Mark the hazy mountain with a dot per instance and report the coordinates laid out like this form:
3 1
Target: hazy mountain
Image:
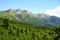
40 19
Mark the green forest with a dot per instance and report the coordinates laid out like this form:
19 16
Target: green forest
15 30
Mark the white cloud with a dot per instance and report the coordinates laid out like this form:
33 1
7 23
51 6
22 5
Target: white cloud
53 12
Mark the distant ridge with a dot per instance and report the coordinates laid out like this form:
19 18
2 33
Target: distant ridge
40 19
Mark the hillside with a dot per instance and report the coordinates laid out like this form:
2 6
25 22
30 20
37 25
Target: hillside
14 30
36 19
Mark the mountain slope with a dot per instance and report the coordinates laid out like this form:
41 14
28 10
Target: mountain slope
15 30
36 19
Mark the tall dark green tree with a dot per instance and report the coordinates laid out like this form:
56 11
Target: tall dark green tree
6 22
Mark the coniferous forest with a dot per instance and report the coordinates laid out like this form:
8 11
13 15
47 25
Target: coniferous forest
14 30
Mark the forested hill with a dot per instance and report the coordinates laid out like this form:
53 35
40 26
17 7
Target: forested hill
13 30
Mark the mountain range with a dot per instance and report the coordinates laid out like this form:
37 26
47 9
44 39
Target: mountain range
39 19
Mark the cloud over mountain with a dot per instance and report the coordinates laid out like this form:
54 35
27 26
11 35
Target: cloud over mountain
54 12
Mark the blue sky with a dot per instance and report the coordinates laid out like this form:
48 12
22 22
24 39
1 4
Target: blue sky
35 6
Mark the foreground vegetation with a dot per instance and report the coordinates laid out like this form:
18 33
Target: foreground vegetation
13 30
